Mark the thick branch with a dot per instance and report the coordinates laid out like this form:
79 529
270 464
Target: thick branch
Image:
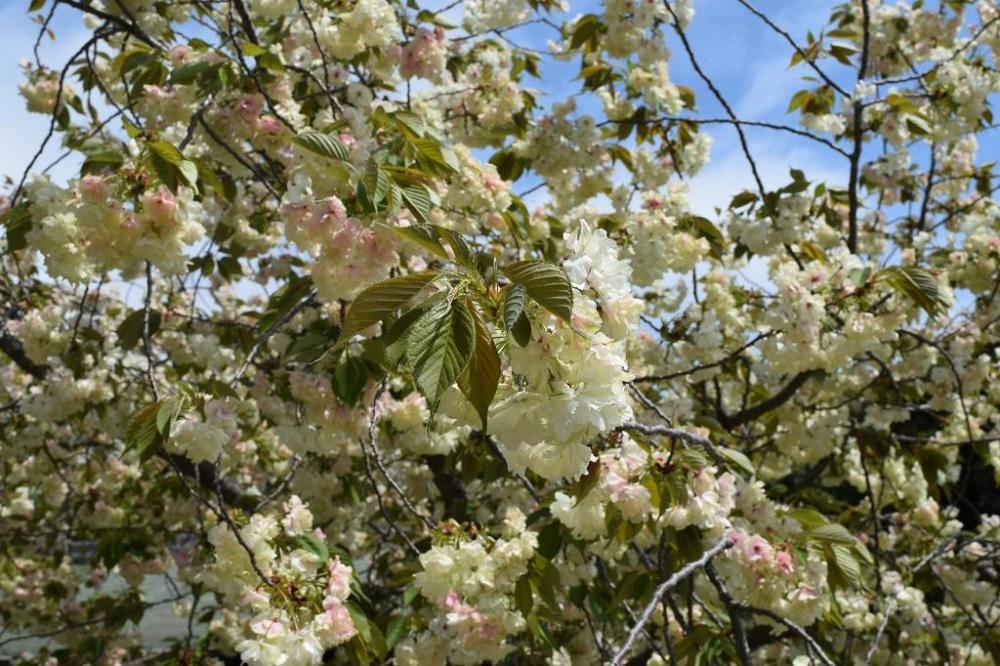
245 21
450 486
206 474
765 406
13 348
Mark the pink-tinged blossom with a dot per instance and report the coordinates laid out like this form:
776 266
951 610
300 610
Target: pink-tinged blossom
160 206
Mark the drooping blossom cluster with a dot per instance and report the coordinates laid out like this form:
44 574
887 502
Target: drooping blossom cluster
286 601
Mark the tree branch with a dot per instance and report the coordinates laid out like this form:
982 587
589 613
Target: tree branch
664 587
803 634
859 133
739 633
13 348
765 406
678 433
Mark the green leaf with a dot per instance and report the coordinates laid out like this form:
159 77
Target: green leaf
809 518
393 198
844 567
480 380
917 125
312 543
859 277
440 346
692 458
376 183
832 533
170 409
918 285
410 122
546 284
509 166
209 178
738 460
323 144
189 73
251 50
361 622
18 223
458 245
142 434
621 154
521 330
513 305
167 152
283 300
395 340
813 251
424 235
588 482
487 266
587 31
742 199
418 199
523 597
438 155
427 16
130 331
430 237
189 172
307 347
900 103
380 300
349 379
270 61
399 627
550 540
101 161
703 228
171 165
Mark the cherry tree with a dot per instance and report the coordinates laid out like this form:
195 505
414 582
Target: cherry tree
375 343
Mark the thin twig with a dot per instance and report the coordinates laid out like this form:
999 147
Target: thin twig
889 610
678 433
271 330
803 634
147 347
369 474
705 366
664 587
798 49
